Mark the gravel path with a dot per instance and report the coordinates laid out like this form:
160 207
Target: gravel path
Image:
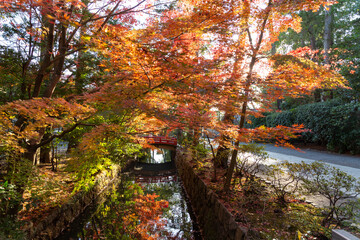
347 163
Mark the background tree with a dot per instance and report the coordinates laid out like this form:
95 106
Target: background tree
334 29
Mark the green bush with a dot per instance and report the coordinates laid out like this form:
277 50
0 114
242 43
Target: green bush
9 197
201 151
332 123
290 103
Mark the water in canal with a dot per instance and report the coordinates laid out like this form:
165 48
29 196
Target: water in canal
118 217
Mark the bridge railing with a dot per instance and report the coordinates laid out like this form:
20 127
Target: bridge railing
161 140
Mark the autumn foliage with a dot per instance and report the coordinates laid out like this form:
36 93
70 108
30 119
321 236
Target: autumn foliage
174 72
128 69
148 211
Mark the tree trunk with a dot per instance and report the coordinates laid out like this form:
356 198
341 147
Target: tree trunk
25 67
312 38
195 136
247 86
327 33
45 60
278 103
317 95
45 154
222 154
273 49
302 40
222 157
80 66
33 154
58 65
234 154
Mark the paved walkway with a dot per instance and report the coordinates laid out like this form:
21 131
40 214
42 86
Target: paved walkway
347 163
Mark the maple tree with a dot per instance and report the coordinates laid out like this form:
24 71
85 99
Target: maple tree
49 36
257 24
127 213
54 33
188 65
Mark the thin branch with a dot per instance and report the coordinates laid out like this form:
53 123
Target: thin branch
146 74
212 149
162 84
63 133
250 39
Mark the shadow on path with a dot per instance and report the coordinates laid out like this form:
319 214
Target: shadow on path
310 154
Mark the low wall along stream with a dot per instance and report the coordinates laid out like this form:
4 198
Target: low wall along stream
213 218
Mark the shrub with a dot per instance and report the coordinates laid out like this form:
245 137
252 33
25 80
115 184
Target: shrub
9 197
338 187
332 123
250 161
285 179
200 151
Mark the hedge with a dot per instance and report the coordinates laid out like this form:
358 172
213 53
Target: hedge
332 123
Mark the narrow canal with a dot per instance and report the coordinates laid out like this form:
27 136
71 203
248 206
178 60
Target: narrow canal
153 173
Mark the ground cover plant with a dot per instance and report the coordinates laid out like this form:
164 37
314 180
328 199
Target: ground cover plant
46 190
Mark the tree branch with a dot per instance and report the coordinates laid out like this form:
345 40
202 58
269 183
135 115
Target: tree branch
63 133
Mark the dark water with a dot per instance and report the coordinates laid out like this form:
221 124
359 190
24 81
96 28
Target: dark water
105 220
179 224
153 173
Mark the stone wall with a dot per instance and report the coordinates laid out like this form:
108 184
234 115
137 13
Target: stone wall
215 221
53 224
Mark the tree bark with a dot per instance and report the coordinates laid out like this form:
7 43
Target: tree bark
222 154
302 40
312 38
222 157
234 154
327 33
46 59
45 154
25 67
58 65
80 66
273 49
33 154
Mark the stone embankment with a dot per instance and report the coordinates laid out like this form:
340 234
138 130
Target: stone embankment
214 219
58 220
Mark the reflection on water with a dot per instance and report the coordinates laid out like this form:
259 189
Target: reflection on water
123 216
160 154
178 221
